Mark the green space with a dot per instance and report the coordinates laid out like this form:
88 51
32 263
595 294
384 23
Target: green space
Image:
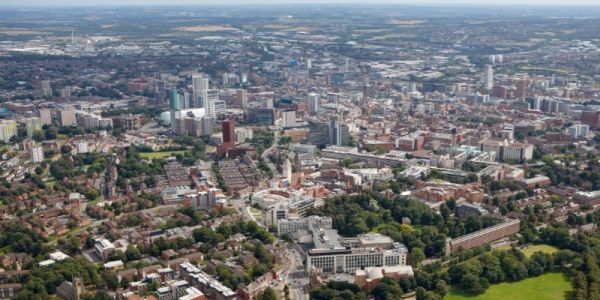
549 286
162 154
530 250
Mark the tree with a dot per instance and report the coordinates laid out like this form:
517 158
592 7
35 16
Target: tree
267 294
416 256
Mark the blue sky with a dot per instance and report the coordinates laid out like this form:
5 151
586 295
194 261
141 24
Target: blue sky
18 3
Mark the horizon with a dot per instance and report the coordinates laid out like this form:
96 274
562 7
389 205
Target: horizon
192 3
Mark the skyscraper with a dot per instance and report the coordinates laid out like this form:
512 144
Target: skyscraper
200 87
175 100
313 103
488 78
228 132
8 129
242 98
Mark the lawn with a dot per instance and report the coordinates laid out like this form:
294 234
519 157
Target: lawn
549 286
529 250
163 154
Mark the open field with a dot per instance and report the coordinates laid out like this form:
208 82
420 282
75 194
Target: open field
529 250
549 286
162 154
21 31
206 28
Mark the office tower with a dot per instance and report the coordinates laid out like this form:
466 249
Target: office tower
8 129
228 132
215 108
199 87
32 125
206 96
46 116
242 98
309 64
488 78
67 116
46 88
521 88
339 133
288 118
175 100
37 154
313 103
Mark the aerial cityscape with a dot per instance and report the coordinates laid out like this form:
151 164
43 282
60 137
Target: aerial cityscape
299 151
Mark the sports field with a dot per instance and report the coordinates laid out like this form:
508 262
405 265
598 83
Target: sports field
163 154
549 286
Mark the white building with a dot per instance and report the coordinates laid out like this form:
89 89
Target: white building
488 77
8 129
288 118
37 154
313 103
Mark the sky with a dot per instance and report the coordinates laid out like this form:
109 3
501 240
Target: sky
21 3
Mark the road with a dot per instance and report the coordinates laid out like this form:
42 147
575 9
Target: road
296 278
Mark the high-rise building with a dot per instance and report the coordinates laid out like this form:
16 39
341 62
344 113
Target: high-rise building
200 85
338 132
313 103
242 98
65 93
215 108
175 103
288 118
37 154
228 132
8 129
591 118
67 116
32 125
488 78
46 116
46 88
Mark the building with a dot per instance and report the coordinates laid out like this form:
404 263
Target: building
71 290
313 103
46 116
46 88
200 85
370 277
294 225
288 118
8 129
242 98
32 125
506 150
482 237
335 254
587 198
467 210
488 78
37 154
67 116
339 133
216 108
579 131
103 248
591 118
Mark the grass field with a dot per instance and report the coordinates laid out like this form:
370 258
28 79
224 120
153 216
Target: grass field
549 286
163 154
528 251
